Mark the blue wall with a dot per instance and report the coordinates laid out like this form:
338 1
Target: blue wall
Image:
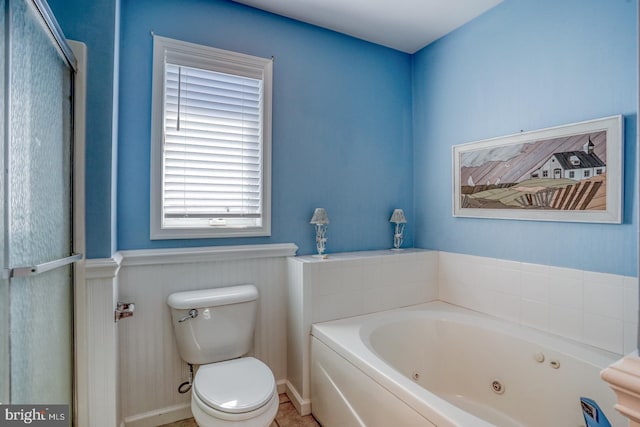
341 123
95 23
361 129
526 65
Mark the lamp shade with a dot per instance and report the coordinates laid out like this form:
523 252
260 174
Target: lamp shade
319 217
398 217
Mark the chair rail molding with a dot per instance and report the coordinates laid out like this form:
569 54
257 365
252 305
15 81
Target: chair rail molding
206 254
103 268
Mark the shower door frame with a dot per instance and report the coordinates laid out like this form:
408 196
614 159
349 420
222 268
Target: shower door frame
80 332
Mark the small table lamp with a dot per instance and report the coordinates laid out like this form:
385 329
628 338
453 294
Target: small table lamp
320 219
399 220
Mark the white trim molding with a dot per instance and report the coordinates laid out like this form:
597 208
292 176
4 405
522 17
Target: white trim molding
103 268
101 341
206 254
302 405
171 413
160 416
624 379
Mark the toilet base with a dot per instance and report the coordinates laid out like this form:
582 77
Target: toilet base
209 417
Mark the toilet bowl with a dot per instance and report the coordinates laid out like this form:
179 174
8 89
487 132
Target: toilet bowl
235 393
214 331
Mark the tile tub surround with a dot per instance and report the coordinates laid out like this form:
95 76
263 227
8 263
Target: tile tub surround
593 308
345 285
597 309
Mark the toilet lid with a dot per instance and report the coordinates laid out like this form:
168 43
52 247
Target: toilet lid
235 386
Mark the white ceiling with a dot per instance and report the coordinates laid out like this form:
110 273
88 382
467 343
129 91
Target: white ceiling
405 25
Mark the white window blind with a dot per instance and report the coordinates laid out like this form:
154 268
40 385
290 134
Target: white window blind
210 142
212 146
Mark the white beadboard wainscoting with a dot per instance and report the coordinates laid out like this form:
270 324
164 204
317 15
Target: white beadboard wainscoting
150 367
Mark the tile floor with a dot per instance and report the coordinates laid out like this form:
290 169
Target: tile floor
287 417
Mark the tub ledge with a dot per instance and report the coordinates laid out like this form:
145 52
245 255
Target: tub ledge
624 379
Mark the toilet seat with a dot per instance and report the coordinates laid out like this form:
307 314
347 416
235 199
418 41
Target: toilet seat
206 416
235 389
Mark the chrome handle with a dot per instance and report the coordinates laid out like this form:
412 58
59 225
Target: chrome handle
193 313
41 268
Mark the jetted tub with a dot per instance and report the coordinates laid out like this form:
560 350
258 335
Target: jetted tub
436 364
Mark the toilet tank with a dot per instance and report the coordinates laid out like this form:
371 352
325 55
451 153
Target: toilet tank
222 326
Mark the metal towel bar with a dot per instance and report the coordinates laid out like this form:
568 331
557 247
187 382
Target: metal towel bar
41 268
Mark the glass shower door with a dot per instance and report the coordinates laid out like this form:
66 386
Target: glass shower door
37 286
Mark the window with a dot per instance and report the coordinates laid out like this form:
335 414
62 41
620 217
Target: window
211 142
572 174
587 173
598 171
545 174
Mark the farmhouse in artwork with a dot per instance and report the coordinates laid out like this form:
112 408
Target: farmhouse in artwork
566 173
575 165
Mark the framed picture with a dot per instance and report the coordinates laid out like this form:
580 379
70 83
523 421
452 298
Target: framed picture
565 173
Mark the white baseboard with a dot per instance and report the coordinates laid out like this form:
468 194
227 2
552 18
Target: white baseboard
303 406
161 416
173 413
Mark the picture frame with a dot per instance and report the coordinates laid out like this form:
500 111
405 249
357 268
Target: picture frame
571 173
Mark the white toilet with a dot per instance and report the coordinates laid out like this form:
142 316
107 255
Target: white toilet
214 329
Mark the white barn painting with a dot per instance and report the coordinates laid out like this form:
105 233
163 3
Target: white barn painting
575 165
567 173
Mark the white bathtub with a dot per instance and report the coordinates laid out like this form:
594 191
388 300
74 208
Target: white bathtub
435 364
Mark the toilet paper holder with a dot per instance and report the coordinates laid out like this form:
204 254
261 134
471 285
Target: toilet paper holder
124 310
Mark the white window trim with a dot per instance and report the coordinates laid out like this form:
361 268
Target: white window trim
222 60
